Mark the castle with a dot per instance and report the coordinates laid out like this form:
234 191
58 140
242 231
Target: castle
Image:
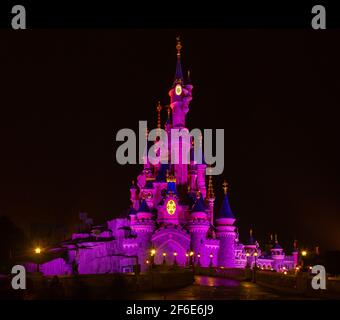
174 219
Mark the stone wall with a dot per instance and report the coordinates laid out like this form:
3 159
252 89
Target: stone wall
299 284
105 286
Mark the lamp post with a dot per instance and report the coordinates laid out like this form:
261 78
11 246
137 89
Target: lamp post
198 259
187 259
255 265
191 254
175 258
37 251
164 255
152 253
247 258
211 256
304 254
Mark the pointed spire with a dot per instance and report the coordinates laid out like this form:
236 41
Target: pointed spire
225 187
188 78
251 238
225 211
143 206
159 108
276 245
295 248
199 205
179 73
210 193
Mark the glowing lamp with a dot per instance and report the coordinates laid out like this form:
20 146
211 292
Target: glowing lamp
198 255
211 255
187 255
175 254
147 261
247 254
37 250
164 254
304 253
255 254
191 253
285 272
153 252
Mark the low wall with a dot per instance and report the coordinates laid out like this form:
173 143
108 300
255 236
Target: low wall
299 284
105 286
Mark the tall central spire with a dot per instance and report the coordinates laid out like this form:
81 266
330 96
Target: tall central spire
179 73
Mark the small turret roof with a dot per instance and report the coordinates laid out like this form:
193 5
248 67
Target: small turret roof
199 205
225 211
143 207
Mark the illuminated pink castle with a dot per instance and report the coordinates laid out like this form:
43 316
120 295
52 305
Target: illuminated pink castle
173 219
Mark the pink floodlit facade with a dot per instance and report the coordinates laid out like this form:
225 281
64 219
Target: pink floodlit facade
174 219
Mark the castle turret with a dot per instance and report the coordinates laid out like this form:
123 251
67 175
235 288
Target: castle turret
226 232
180 97
278 255
143 225
198 228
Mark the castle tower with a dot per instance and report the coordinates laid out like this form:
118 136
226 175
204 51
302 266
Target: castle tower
143 225
180 97
198 228
277 255
226 233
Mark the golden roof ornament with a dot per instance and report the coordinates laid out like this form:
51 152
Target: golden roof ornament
178 46
225 186
159 109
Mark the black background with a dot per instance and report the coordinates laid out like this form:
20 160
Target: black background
65 93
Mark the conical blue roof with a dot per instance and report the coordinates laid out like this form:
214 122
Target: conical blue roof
225 211
277 246
199 205
251 240
132 211
143 207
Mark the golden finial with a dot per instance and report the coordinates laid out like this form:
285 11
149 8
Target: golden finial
189 189
225 186
210 193
159 108
178 46
251 232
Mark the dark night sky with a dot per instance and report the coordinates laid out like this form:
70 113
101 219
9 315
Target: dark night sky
64 95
